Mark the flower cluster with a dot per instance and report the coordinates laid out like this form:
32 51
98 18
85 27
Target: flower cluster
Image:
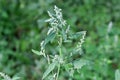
6 77
56 20
81 40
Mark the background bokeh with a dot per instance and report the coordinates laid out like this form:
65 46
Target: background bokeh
22 28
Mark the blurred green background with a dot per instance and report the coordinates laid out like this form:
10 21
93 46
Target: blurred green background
22 28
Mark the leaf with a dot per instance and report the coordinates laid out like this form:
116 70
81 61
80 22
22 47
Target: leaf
64 35
50 37
76 35
36 52
67 41
117 74
49 69
77 50
78 64
16 78
68 66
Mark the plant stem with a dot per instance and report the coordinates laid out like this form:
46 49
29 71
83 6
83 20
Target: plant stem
58 71
60 53
60 45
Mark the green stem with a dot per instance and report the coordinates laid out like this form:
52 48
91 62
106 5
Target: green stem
60 53
60 50
58 71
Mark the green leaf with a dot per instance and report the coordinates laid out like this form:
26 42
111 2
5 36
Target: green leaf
76 35
68 66
117 74
67 41
50 37
78 64
16 78
64 35
77 50
49 69
36 52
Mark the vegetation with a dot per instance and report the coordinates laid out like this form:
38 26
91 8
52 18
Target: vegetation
22 28
117 74
60 33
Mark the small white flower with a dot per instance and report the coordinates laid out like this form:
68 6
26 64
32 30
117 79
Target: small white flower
51 29
50 14
82 39
6 77
49 20
68 29
41 44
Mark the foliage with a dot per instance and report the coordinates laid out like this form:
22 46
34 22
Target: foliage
60 32
117 74
22 27
6 77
